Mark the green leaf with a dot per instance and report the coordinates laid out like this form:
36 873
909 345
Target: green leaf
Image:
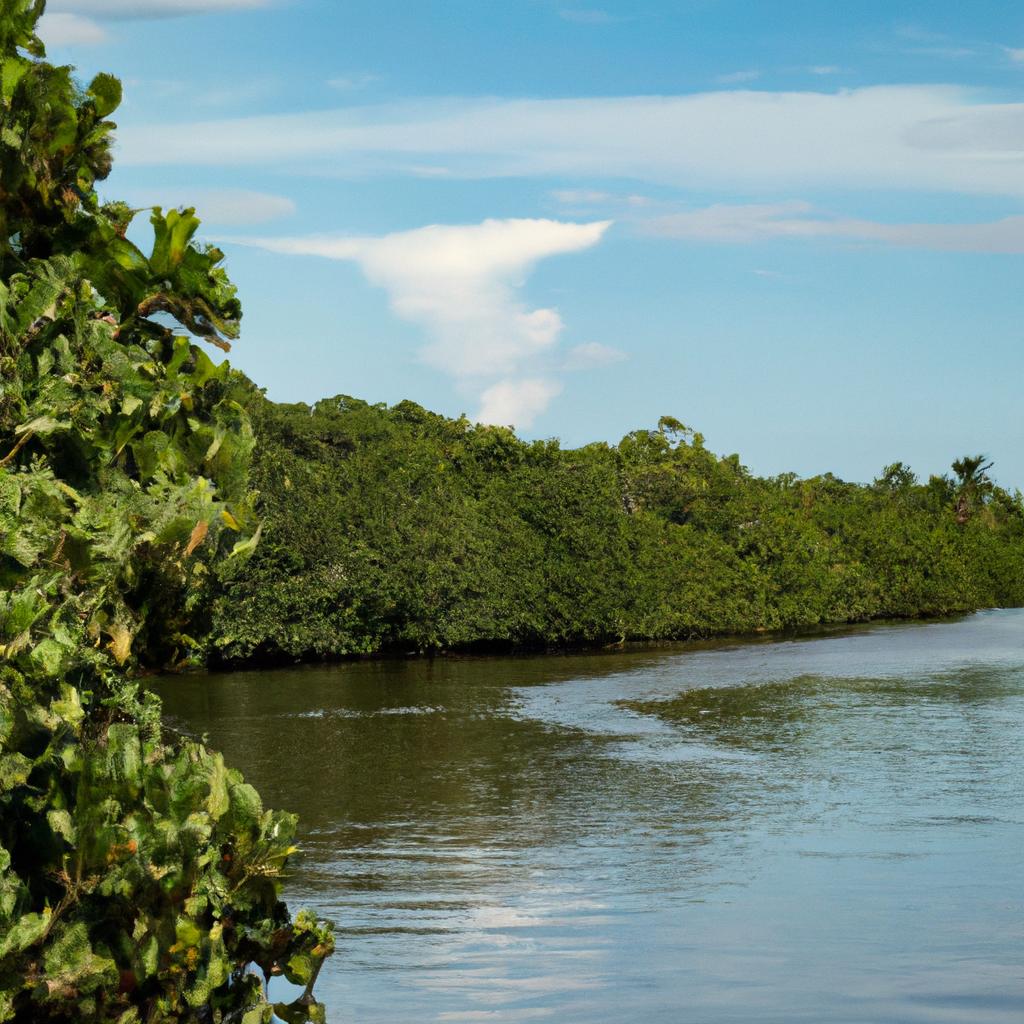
149 955
49 655
299 969
12 70
73 965
218 802
182 350
42 425
172 234
125 830
105 91
248 546
61 822
129 404
246 806
28 930
124 752
187 932
14 771
10 494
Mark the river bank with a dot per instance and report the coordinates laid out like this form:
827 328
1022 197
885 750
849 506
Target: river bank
484 649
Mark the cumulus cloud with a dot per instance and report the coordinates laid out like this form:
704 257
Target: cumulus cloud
460 284
517 403
886 137
65 29
764 221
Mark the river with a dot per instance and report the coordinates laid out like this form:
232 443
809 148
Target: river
827 829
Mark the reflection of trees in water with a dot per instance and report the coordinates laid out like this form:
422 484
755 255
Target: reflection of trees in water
427 779
454 828
416 761
896 749
481 854
781 713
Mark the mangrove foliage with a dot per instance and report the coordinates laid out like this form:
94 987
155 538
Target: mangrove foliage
398 529
139 874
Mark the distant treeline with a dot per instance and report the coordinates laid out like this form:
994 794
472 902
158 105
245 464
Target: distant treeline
399 529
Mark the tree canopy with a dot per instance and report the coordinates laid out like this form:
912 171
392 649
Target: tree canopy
398 529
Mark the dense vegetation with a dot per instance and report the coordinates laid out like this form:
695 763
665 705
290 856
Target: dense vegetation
397 529
138 874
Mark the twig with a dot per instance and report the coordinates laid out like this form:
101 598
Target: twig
25 438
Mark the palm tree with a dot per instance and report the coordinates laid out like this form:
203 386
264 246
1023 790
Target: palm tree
973 484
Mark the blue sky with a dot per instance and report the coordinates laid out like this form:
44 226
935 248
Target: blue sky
797 227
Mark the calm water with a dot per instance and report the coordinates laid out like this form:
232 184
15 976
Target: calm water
820 830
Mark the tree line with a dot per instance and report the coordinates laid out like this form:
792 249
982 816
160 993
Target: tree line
396 529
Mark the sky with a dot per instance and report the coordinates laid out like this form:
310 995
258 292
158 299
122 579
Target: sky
797 227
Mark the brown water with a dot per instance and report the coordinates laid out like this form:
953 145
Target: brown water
818 830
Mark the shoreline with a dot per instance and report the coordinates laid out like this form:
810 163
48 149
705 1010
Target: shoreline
487 649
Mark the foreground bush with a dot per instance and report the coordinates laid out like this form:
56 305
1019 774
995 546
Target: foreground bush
138 874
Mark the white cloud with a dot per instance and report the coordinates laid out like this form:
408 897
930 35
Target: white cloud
1015 54
886 137
224 207
587 16
353 81
825 69
943 52
59 29
592 355
750 222
459 283
240 92
517 403
128 9
737 77
918 33
596 197
75 22
190 93
762 222
581 196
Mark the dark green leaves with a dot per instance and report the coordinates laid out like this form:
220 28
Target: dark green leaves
397 528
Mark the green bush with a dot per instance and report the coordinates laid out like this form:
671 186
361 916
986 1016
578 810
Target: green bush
138 874
397 529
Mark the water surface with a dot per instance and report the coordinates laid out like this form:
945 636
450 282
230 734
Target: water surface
820 830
